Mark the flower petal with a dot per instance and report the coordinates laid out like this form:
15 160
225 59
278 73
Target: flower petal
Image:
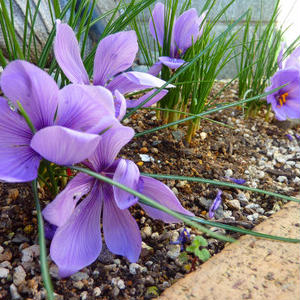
108 148
161 193
115 53
155 69
78 242
126 173
33 88
64 146
120 105
121 233
19 163
156 23
85 108
156 98
172 63
135 81
58 211
293 61
67 54
186 30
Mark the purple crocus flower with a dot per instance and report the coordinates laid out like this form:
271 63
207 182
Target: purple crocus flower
77 241
286 101
216 203
185 32
67 121
292 61
115 54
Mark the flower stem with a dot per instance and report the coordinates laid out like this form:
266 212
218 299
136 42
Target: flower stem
42 243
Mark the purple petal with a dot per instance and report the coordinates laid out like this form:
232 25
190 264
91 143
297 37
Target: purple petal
289 137
85 108
120 105
108 148
135 81
19 163
156 23
78 243
64 146
33 88
115 53
121 233
162 194
293 61
49 230
126 173
172 63
156 98
186 30
237 180
67 54
59 210
155 69
216 203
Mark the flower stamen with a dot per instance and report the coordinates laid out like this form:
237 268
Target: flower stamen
282 99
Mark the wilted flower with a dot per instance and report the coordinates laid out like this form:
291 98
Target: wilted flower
237 180
183 238
216 203
187 29
297 136
77 241
289 137
115 54
67 121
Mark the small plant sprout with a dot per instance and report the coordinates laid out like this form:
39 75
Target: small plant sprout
197 248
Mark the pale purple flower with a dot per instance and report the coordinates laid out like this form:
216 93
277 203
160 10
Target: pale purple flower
286 101
186 30
215 205
77 241
114 55
67 121
292 61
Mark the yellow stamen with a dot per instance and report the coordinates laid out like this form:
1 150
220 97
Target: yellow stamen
282 99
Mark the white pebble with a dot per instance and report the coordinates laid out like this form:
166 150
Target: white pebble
282 179
19 275
3 272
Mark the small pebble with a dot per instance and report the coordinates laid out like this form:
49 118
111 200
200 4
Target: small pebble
174 251
14 292
203 136
97 291
30 252
3 272
78 285
79 276
19 275
84 295
228 173
282 179
235 204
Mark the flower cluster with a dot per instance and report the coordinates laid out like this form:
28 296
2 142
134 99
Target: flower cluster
186 30
286 101
80 123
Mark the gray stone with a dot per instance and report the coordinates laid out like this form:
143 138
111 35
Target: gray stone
174 251
97 291
178 134
235 204
84 295
79 276
14 292
134 268
29 253
19 275
3 272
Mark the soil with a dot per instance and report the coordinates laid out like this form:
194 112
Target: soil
263 154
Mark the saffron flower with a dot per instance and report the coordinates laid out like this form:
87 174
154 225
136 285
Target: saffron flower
286 101
115 54
216 203
187 29
67 121
77 241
